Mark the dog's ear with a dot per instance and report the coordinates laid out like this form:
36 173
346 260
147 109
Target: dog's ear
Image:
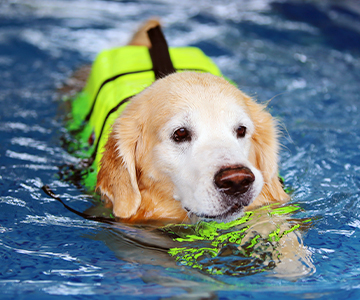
117 177
264 152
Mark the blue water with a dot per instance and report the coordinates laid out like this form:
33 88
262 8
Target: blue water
305 56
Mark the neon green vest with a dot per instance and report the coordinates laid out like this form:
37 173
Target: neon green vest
117 75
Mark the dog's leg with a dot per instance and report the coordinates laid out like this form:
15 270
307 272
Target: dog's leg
295 258
292 257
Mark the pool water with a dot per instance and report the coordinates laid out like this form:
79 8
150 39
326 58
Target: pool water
304 55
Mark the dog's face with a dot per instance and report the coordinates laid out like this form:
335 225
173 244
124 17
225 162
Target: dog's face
191 141
204 148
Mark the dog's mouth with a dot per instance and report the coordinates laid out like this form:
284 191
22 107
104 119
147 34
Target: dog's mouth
231 211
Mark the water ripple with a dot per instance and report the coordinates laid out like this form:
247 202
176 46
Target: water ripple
306 54
26 156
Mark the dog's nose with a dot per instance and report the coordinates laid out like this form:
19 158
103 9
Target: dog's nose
234 180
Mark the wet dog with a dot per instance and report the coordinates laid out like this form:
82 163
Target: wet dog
191 145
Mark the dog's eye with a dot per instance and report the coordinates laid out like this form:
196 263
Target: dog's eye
181 135
241 131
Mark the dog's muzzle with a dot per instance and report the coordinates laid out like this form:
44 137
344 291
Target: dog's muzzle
233 183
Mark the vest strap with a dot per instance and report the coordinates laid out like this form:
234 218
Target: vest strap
159 53
114 109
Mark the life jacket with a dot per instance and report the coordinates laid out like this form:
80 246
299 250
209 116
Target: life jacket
116 76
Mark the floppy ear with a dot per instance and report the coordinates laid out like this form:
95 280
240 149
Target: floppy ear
117 178
264 153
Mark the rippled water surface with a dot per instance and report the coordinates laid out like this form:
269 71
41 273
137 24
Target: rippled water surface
303 54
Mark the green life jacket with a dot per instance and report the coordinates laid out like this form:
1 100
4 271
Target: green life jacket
117 75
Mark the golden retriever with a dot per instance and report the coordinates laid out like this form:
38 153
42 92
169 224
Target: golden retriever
190 146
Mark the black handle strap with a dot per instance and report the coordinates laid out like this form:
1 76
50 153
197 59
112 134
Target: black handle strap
159 53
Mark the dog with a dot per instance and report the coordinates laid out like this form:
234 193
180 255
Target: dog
191 146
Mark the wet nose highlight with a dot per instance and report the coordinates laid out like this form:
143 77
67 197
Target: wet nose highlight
234 180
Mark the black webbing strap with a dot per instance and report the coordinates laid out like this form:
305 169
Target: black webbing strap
159 53
50 193
114 109
87 118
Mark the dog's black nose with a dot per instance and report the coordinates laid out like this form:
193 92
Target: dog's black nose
234 180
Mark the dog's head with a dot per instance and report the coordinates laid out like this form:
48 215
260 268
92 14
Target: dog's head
191 144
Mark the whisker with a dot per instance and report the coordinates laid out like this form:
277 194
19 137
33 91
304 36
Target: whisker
266 103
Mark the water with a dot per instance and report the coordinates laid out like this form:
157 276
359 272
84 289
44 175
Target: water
303 55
